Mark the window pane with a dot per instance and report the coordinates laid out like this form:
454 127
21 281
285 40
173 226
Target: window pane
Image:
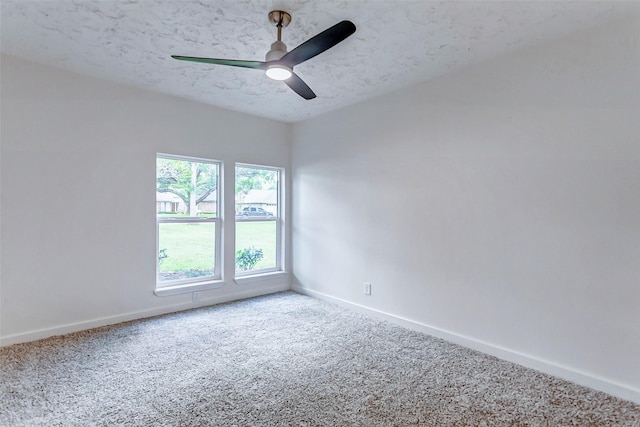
186 250
256 245
186 188
256 192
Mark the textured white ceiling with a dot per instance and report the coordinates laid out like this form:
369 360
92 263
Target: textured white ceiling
396 44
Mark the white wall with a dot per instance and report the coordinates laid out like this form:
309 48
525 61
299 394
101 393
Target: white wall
78 196
498 207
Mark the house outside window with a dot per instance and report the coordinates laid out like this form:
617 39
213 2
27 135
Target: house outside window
188 221
258 219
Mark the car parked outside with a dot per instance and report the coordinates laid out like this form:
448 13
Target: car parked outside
252 212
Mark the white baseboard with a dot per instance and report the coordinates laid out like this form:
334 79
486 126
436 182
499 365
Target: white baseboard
548 367
125 317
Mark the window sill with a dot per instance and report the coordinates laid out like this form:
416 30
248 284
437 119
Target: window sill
188 287
260 277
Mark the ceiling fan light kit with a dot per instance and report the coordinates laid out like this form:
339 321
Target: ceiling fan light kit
279 63
279 72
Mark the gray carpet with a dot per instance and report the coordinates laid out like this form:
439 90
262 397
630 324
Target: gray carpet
281 360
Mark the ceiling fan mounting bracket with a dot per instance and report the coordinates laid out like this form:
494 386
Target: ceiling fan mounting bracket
279 18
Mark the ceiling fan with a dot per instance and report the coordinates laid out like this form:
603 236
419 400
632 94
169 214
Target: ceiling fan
279 63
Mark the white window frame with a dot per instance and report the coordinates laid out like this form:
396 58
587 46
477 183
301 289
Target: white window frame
279 267
171 287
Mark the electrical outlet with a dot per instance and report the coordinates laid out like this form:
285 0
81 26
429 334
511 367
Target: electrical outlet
196 296
367 288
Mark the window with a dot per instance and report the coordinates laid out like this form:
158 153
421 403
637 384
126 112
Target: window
188 221
258 220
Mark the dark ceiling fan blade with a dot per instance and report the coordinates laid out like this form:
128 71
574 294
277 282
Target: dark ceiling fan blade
300 87
319 43
258 65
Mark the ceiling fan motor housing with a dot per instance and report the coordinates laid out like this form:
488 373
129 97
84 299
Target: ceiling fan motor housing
278 49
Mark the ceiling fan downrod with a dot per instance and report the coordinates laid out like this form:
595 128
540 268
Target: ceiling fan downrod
280 19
